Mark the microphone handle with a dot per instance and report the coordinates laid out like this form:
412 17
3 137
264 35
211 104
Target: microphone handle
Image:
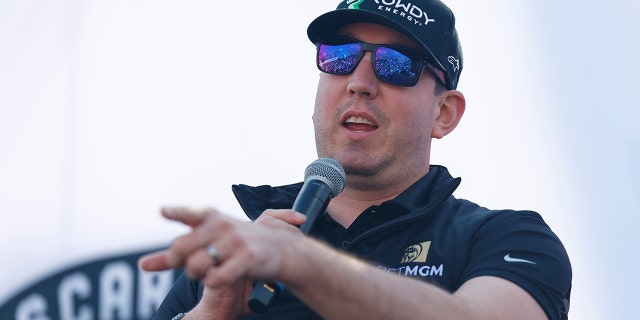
312 200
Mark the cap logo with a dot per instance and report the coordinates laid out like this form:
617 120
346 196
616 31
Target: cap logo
355 4
409 11
454 62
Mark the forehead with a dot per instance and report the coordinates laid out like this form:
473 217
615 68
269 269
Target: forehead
376 33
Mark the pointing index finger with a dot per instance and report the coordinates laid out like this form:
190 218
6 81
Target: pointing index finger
189 216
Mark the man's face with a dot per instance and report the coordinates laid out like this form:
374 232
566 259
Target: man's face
371 127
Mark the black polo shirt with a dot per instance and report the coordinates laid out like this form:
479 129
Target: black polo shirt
427 234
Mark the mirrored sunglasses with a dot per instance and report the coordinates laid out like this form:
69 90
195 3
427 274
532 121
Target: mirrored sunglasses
392 64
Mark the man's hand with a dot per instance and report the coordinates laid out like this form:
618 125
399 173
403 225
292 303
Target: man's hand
246 252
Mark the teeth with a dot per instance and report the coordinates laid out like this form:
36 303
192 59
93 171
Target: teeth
354 119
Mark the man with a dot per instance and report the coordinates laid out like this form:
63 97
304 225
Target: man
395 244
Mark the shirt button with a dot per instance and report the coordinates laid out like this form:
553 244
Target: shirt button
345 244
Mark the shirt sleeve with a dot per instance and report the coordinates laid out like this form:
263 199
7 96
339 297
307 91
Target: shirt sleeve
183 296
520 247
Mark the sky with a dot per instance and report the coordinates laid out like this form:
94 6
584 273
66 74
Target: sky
111 109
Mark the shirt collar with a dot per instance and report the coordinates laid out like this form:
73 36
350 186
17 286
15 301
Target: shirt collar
429 190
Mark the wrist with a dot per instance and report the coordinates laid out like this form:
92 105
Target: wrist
196 313
306 254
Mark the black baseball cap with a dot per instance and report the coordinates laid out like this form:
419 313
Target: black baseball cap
429 22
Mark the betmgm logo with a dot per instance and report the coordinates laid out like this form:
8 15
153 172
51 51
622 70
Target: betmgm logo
416 257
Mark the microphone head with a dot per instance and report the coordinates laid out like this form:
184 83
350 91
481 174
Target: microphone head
328 170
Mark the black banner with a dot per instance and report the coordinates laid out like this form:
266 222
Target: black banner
112 288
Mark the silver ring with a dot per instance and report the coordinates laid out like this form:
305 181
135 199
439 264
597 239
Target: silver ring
213 253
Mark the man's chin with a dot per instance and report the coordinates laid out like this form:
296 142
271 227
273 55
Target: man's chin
359 168
354 162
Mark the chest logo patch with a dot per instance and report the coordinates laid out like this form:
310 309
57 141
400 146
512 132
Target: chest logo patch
416 253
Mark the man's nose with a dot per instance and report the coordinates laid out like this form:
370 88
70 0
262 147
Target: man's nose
363 80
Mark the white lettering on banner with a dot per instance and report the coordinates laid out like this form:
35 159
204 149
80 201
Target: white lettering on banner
116 291
74 286
416 14
33 307
77 299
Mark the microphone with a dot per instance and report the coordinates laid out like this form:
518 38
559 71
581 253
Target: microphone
323 180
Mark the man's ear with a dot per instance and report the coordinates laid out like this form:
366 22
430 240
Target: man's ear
448 113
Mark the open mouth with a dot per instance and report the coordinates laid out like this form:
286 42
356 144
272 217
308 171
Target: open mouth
360 124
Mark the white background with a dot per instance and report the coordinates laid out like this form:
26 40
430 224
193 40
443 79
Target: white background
110 109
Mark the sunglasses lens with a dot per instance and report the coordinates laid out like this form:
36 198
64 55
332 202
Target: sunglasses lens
397 68
338 58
